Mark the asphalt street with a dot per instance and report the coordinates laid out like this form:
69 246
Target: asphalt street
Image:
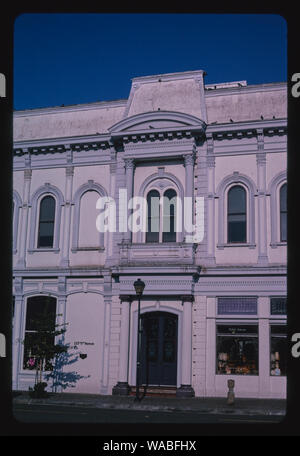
68 414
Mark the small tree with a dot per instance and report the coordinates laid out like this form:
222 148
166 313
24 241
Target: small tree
43 348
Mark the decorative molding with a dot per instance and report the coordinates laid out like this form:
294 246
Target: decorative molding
189 159
27 174
70 171
89 186
260 139
129 163
187 125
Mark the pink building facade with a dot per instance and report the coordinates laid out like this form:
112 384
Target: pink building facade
214 307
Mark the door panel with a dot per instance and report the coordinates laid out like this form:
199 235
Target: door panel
159 348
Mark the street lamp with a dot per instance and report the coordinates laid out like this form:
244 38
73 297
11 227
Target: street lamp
139 286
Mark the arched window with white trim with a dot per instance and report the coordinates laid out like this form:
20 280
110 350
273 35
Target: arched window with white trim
236 215
46 222
161 215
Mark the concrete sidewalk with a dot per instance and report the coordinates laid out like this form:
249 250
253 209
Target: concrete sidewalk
210 405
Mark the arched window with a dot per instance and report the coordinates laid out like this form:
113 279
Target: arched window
153 219
46 222
236 213
169 216
88 235
283 213
161 218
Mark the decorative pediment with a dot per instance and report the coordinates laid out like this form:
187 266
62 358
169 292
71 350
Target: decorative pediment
158 123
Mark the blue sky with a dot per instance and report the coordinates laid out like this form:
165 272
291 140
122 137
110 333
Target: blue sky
82 58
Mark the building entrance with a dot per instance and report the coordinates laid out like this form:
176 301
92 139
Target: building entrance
159 348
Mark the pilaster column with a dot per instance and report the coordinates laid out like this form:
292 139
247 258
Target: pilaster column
24 218
262 207
264 345
189 161
129 170
17 336
61 301
122 388
210 222
65 261
186 389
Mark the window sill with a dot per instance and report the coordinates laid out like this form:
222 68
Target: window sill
87 249
274 245
237 375
238 244
46 249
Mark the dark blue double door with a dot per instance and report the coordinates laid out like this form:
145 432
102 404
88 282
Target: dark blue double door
159 348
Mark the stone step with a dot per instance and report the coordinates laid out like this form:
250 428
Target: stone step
155 391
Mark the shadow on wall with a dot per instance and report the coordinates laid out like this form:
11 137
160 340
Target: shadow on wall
61 379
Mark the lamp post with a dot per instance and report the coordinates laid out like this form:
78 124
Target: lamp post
139 286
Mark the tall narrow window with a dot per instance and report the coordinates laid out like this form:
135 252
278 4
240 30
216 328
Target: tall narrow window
236 214
283 213
169 216
46 222
40 316
152 234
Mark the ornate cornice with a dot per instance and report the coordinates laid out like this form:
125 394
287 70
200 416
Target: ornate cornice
59 145
241 130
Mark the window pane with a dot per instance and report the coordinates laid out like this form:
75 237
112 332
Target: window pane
237 200
169 216
236 231
283 213
237 305
278 306
46 222
152 234
283 223
279 350
46 230
40 315
237 349
47 209
283 198
37 306
236 214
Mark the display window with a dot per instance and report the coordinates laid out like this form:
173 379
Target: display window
237 349
279 349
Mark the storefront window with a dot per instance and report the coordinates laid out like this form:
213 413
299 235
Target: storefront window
237 349
279 347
